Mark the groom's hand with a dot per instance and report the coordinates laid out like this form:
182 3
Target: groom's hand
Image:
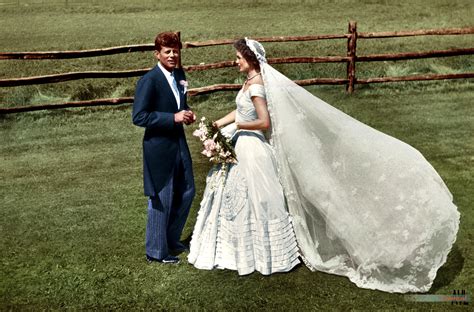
192 117
186 117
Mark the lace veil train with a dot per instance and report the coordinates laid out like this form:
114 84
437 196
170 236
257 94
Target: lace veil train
364 204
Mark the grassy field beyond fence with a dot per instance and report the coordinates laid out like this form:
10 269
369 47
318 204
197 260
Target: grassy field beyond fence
71 205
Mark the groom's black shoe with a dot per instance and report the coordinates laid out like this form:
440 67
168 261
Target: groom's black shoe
166 260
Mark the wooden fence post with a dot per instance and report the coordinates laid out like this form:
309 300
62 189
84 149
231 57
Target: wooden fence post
351 52
180 46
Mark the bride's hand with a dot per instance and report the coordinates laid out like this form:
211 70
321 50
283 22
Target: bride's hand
215 124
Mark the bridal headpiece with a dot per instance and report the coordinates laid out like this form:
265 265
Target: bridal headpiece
257 49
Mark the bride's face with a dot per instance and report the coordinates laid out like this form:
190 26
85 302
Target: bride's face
242 63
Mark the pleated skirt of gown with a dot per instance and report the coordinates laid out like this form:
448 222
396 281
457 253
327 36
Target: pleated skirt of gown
243 223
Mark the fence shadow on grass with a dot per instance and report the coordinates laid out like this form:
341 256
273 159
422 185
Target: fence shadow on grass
450 270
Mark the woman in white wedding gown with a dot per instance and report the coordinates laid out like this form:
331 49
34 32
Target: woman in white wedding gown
361 204
243 223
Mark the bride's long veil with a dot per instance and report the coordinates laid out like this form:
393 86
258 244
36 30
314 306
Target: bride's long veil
364 204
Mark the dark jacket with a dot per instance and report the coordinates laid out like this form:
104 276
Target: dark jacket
154 108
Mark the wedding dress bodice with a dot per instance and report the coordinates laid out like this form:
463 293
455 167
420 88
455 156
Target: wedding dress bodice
245 108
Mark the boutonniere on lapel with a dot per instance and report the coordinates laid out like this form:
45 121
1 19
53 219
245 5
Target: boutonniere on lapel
184 84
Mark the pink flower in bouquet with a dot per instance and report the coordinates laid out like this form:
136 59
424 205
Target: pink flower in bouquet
209 145
207 153
217 147
200 133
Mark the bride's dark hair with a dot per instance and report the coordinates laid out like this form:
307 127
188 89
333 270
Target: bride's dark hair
241 46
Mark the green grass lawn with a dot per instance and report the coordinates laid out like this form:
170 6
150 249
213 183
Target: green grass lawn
71 205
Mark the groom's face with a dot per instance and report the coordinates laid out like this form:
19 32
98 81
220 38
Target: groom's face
168 57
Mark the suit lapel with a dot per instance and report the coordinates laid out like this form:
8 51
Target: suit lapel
166 86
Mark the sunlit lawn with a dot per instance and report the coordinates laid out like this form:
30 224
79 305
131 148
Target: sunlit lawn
72 211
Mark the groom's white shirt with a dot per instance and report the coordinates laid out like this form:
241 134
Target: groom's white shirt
169 77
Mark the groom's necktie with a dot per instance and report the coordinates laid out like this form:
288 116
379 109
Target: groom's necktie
175 89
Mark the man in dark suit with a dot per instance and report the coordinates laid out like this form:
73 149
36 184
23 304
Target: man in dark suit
160 107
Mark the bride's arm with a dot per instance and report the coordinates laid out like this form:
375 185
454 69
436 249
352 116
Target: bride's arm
227 119
263 118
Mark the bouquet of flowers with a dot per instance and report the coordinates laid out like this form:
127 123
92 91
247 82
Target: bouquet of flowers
217 147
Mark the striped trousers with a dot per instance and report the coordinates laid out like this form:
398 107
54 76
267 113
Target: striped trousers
167 212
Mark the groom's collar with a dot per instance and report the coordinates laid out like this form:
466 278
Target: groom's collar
164 70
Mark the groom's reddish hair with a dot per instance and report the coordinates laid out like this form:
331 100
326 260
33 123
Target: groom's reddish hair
167 39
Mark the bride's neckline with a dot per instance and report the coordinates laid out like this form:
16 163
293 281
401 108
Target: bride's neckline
253 84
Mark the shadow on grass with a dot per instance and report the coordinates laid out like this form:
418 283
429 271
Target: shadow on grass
450 270
445 275
187 240
5 117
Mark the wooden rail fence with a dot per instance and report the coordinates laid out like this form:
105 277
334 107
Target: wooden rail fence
350 59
